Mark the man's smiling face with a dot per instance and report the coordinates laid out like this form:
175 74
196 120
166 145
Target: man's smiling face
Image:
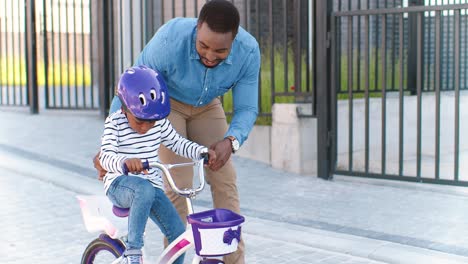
212 47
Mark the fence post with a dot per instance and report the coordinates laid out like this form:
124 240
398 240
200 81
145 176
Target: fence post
31 56
105 66
323 9
413 49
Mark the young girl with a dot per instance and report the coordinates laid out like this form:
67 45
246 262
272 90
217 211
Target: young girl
132 135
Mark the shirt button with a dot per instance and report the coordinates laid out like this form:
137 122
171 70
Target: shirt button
201 103
206 88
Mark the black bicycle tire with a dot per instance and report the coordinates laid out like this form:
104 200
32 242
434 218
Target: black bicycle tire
97 245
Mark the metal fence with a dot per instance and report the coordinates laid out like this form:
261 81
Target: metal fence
68 58
283 28
63 51
400 76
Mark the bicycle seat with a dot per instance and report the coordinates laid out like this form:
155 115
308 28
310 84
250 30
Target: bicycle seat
120 212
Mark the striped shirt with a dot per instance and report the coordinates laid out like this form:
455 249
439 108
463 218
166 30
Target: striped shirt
119 142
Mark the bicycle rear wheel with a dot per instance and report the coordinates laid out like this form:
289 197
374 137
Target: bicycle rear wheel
102 250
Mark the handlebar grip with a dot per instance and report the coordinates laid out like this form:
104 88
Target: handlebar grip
146 166
125 169
206 157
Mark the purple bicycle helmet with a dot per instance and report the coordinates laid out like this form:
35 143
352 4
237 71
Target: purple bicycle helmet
144 93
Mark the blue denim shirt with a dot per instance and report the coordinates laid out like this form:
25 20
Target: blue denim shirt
172 52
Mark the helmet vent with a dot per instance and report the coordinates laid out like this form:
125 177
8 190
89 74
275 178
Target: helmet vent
142 99
153 94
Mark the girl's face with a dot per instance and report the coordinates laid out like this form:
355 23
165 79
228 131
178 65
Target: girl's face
140 126
212 47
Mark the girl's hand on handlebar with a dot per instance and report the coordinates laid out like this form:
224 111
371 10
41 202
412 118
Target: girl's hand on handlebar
135 165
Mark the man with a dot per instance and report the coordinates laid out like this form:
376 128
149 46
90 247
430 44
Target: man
202 59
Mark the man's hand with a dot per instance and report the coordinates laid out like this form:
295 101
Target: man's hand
211 157
223 150
101 171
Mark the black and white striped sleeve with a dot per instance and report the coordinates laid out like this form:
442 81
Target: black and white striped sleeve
109 158
180 145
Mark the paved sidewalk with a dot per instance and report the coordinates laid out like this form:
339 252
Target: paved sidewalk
290 218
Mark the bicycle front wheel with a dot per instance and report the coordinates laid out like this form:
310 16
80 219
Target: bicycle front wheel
102 250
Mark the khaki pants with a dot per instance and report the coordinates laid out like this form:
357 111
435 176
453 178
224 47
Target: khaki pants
204 125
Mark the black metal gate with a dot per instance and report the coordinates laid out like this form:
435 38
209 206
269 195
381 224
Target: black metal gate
46 54
401 86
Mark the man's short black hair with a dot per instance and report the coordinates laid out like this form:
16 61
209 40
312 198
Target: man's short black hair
221 16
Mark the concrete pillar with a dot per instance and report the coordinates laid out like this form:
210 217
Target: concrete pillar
294 139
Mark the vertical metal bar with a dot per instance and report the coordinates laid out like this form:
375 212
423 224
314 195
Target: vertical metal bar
259 38
121 36
162 12
13 86
173 9
358 44
32 56
131 31
285 44
338 25
412 48
7 58
401 97
246 13
60 50
466 48
153 24
21 56
350 93
257 19
428 54
419 104
393 49
325 163
1 61
437 99
376 56
334 72
184 8
195 8
298 64
366 92
457 93
384 94
272 52
26 51
75 53
112 49
448 80
46 55
143 25
314 54
105 54
52 102
307 53
83 55
91 53
67 34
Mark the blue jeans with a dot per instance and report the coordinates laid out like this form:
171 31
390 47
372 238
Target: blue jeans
145 200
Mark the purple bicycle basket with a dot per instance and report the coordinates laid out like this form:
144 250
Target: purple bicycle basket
216 232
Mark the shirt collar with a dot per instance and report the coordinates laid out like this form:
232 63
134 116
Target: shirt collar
194 54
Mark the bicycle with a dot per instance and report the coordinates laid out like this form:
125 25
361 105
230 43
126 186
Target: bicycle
214 233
